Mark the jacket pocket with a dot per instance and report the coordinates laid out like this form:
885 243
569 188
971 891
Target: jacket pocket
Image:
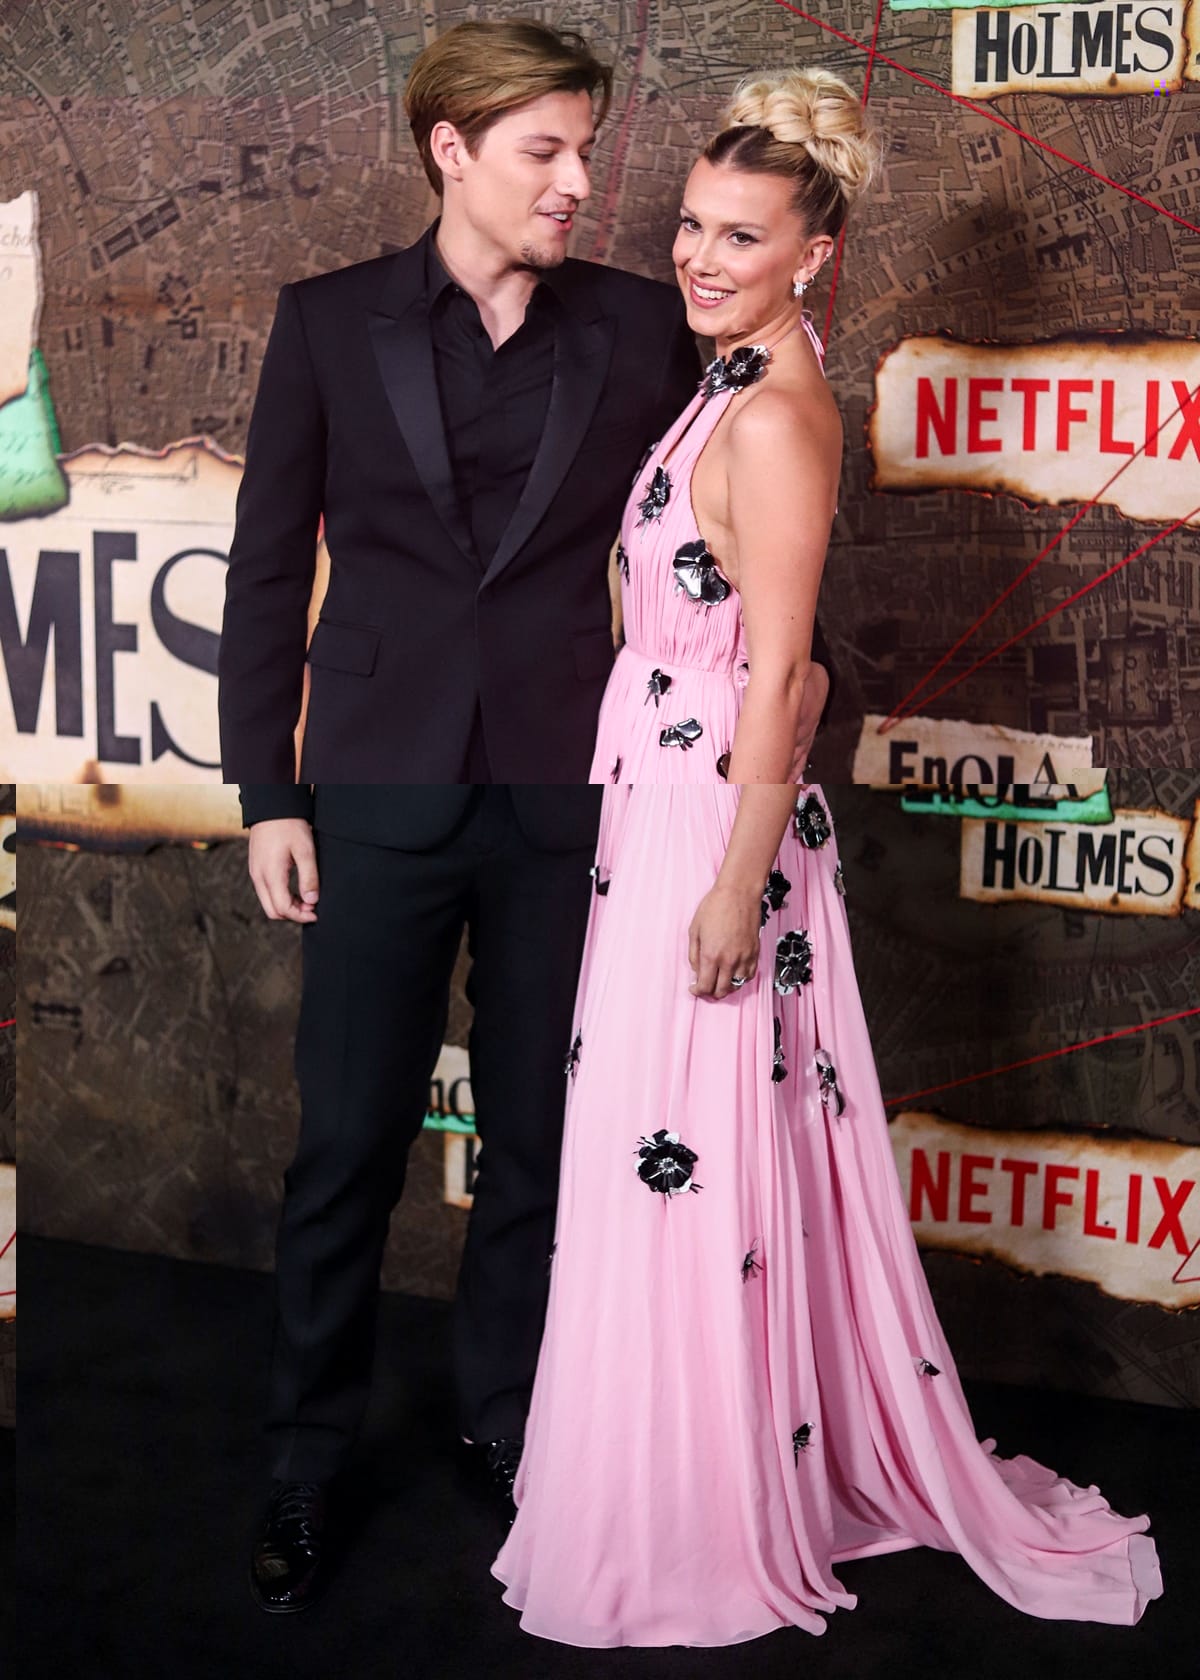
593 651
344 647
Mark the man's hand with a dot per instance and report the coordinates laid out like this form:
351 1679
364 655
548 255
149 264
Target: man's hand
276 846
816 692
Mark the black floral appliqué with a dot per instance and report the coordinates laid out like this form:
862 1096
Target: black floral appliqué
926 1368
600 880
623 562
775 896
658 494
665 1164
744 366
684 734
839 879
723 765
827 1074
615 771
657 686
812 825
572 1061
751 1264
801 1438
778 1069
793 962
697 576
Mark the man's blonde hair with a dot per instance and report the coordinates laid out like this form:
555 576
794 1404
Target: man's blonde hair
477 72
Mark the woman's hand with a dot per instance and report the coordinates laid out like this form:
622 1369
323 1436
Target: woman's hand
723 939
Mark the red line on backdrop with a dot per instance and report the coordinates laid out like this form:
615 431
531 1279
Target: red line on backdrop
1175 1276
8 1245
1045 1056
616 173
992 116
902 708
837 261
986 658
10 1023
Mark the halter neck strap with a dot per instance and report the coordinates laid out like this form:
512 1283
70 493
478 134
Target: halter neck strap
806 321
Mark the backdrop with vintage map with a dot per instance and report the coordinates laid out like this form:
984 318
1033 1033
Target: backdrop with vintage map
189 157
160 961
8 1080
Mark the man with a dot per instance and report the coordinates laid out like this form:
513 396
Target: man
468 415
402 870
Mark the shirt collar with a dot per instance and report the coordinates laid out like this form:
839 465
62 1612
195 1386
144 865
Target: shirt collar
439 284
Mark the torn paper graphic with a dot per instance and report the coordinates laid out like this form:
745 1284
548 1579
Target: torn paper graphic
952 754
32 482
110 615
118 816
1112 47
20 292
1050 423
1135 865
1119 1212
8 872
8 1240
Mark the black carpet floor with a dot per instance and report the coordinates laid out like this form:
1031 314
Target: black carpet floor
140 1484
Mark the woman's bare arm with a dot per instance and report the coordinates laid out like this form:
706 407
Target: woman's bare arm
723 939
782 474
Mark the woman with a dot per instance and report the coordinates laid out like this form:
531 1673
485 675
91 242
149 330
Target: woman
743 1380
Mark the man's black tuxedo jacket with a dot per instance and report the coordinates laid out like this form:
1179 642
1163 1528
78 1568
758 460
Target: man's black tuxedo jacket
414 631
415 819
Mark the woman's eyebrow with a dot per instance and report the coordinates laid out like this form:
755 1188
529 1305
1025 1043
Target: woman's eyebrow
726 227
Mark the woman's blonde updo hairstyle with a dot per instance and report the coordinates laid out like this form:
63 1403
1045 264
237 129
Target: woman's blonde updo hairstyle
810 127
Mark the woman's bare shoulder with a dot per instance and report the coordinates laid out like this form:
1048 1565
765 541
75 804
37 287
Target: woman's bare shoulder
793 411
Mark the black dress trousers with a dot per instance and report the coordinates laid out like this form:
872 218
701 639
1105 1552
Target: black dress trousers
377 966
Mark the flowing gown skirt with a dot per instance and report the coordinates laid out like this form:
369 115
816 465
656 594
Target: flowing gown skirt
745 1382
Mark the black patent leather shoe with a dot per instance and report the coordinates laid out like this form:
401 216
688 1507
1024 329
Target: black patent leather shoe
503 1460
285 1568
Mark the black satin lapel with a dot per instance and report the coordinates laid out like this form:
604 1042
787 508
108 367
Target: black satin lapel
581 355
404 353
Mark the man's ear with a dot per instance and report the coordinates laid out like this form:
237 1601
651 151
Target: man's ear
448 147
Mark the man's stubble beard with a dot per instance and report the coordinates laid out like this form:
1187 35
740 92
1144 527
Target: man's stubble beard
536 256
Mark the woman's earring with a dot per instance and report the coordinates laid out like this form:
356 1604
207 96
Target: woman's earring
799 287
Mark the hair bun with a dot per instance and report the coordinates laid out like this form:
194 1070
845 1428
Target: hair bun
817 110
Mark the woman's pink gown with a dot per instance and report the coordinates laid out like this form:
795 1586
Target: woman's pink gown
744 1382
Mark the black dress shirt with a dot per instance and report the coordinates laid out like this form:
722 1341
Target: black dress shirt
494 401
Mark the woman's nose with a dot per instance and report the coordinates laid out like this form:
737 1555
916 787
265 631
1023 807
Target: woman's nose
704 258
